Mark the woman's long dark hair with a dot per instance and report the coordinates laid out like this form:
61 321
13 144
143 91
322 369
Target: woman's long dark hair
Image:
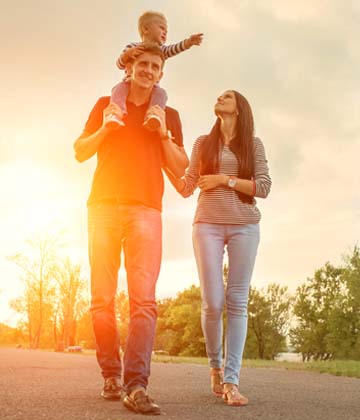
241 146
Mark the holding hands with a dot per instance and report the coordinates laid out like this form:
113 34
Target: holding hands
208 182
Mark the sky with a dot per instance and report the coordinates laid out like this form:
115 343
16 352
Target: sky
298 64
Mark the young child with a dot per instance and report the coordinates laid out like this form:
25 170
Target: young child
152 27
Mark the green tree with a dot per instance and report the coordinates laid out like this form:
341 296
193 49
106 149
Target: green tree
53 300
123 317
85 334
318 303
70 303
343 339
10 335
269 315
179 325
36 304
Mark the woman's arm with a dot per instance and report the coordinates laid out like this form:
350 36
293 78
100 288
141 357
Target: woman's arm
262 178
208 182
257 187
187 184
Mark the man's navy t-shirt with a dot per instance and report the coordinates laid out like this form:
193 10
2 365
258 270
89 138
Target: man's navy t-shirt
130 158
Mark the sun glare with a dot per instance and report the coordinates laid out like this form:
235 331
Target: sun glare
36 194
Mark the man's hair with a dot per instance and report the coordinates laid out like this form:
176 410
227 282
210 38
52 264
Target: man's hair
153 48
146 18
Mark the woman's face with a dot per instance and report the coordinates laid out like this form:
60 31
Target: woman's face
226 104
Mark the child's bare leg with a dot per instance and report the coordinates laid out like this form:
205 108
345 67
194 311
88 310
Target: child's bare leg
158 97
119 94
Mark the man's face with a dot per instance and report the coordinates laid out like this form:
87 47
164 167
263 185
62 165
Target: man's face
146 70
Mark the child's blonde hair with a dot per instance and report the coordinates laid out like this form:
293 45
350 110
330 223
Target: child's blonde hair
145 18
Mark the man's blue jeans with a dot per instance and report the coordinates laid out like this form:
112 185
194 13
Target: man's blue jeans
209 242
136 229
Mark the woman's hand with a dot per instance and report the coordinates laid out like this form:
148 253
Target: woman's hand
208 182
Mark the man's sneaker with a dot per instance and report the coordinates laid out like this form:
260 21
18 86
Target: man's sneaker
141 403
112 389
113 122
152 122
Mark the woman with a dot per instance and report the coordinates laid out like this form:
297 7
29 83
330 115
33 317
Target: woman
230 168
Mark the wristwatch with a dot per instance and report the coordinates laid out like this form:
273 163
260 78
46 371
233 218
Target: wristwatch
231 183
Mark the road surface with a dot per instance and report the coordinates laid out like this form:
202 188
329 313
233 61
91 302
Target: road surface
38 385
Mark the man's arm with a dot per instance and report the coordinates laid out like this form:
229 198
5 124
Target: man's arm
88 143
177 183
175 157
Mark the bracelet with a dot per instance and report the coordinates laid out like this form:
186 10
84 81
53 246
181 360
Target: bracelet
254 187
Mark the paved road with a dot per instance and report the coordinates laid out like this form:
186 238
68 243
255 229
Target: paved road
53 386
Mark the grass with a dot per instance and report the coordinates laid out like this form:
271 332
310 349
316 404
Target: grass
334 367
348 368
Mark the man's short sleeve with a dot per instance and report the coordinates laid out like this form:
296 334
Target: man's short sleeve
95 119
173 124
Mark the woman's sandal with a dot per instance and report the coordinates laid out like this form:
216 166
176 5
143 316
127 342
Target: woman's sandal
216 377
233 397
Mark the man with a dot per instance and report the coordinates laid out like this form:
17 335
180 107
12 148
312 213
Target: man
124 211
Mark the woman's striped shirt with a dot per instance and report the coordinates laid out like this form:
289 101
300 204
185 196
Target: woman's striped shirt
222 204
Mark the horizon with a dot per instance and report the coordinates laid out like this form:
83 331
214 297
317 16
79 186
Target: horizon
298 66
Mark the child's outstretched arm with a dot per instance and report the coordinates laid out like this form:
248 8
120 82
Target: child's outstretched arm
174 49
130 52
195 39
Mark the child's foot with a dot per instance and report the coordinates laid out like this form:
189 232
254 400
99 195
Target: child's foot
113 122
152 122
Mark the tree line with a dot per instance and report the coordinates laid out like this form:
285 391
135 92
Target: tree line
321 320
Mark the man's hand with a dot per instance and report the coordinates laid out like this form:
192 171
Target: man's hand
195 39
208 182
175 157
111 109
131 54
159 112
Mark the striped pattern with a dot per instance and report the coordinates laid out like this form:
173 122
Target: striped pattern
168 50
221 204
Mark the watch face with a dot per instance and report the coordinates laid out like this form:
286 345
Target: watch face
232 183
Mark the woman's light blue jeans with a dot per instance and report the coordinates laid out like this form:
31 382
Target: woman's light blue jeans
210 241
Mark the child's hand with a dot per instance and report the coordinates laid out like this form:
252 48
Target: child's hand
132 53
195 39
